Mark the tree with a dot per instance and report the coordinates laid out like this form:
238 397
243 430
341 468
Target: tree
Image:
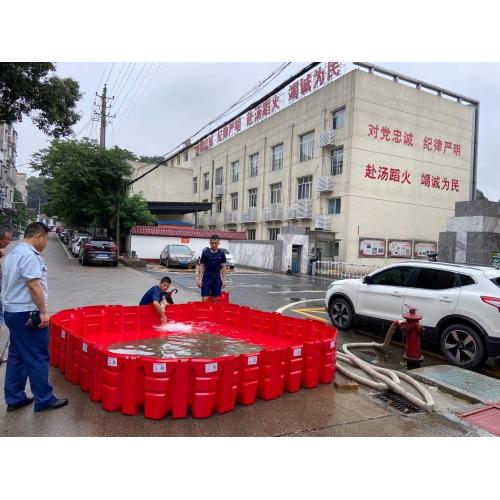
480 195
21 217
37 194
134 212
85 181
151 159
32 89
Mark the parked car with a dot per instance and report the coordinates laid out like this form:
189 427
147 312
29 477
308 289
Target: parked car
74 237
229 259
459 305
98 249
77 243
178 255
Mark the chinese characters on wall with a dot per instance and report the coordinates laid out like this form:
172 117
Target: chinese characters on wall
306 84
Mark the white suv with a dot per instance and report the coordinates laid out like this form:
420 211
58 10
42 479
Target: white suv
459 305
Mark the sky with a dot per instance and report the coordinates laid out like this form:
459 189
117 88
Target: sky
159 105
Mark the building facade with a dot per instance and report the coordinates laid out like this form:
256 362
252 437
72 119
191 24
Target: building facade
8 173
370 166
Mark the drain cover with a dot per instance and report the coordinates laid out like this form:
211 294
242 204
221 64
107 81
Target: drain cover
472 385
396 402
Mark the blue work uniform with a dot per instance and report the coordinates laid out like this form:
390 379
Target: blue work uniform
29 347
154 293
211 283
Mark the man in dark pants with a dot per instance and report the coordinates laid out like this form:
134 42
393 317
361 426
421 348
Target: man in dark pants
212 271
26 317
157 295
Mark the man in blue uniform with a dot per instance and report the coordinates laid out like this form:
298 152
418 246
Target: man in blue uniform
26 317
212 271
157 295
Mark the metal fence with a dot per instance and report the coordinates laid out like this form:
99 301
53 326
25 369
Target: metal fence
339 269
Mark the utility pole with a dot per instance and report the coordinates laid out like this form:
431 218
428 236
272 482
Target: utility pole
102 115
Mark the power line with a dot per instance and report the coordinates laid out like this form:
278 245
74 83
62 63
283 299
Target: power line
130 88
121 85
110 71
133 102
118 77
102 76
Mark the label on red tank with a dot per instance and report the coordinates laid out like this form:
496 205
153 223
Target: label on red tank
159 367
112 361
333 344
63 334
297 352
210 367
84 347
252 360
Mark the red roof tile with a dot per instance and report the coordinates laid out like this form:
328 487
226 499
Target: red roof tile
187 232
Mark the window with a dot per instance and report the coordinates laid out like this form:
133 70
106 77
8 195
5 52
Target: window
254 165
252 197
273 233
234 201
219 176
195 184
186 155
337 161
395 276
338 118
250 234
307 146
179 160
218 204
305 187
336 248
465 280
436 279
334 206
235 171
206 181
276 193
277 157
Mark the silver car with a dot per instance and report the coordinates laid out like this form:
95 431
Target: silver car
179 256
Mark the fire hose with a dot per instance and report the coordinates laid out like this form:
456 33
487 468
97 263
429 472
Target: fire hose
383 378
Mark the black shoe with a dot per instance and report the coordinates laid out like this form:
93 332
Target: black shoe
16 406
58 403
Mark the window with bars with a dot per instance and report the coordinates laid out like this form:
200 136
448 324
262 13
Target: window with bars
277 157
273 233
195 184
219 176
334 206
252 197
206 181
235 171
218 204
254 165
306 144
304 187
338 118
276 193
234 201
251 234
337 161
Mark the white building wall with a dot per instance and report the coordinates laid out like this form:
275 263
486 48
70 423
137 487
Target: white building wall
260 255
150 247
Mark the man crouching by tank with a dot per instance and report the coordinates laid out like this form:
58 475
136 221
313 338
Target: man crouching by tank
27 318
212 271
159 297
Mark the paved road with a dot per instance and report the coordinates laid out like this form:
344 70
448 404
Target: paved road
323 411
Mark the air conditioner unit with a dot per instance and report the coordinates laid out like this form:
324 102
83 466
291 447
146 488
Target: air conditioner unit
323 222
304 209
327 138
251 215
276 211
243 217
325 184
266 212
219 189
291 212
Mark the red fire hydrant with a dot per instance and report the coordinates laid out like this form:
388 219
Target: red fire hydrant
413 331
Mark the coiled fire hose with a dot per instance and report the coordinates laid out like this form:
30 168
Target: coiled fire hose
383 378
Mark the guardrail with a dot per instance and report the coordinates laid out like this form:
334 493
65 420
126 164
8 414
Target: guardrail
340 269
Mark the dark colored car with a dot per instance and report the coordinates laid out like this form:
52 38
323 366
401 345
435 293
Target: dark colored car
98 249
178 255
